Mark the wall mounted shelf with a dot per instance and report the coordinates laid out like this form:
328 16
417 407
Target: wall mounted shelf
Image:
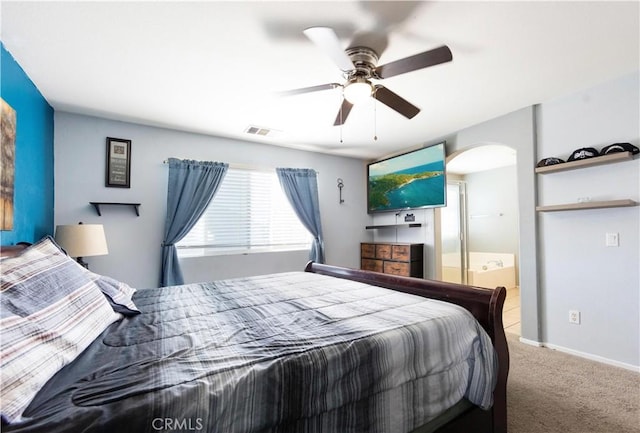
98 204
587 205
391 226
583 163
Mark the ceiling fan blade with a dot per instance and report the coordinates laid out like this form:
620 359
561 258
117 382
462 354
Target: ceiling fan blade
396 102
327 40
413 63
301 90
345 109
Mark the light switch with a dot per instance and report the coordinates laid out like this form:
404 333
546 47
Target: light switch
612 240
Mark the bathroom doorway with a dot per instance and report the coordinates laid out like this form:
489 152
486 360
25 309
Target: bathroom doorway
479 226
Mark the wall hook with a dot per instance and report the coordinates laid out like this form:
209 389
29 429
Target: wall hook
340 186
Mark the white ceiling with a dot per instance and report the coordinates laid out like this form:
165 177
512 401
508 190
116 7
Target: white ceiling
212 67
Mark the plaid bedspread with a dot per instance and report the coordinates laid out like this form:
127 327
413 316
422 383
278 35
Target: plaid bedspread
293 352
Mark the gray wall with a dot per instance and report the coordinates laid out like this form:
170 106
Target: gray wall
563 261
516 130
577 270
492 205
134 242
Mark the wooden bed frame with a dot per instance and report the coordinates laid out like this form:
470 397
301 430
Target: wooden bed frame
485 305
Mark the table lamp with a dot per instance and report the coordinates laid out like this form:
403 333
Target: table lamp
82 240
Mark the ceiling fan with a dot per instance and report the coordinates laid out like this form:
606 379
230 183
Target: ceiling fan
359 67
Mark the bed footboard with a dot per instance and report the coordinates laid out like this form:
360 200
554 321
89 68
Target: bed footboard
484 304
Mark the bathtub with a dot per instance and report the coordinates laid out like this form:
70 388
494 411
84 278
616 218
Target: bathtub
485 269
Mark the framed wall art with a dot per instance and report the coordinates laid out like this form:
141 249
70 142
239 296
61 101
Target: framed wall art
7 165
118 163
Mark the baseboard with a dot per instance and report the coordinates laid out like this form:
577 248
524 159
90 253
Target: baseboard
531 342
592 357
585 355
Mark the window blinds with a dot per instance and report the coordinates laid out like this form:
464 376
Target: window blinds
249 213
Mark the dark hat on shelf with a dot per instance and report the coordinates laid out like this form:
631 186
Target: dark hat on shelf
619 147
549 161
583 153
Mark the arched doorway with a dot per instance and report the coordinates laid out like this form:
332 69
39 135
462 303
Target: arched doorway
479 235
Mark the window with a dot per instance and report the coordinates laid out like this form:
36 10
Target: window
249 213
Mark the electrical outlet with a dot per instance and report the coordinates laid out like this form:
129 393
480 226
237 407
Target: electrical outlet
612 240
574 317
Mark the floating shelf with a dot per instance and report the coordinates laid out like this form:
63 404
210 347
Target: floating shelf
587 205
97 204
391 226
589 162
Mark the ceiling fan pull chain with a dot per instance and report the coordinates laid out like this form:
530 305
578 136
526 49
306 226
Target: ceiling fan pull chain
375 119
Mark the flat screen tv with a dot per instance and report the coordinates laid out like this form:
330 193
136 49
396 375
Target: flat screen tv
412 180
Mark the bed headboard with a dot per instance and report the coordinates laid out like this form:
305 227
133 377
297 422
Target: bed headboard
12 250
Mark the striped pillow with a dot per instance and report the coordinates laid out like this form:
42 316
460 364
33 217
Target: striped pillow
50 311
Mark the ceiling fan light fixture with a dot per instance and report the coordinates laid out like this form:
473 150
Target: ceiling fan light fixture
357 91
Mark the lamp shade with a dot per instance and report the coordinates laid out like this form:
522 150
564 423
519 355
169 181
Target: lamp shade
82 240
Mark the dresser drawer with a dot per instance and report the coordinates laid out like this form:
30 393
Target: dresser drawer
406 253
401 253
371 265
383 251
397 268
368 251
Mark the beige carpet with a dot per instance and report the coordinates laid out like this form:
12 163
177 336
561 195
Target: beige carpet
550 391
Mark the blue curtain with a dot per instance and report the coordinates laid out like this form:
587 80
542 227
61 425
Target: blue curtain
300 185
192 185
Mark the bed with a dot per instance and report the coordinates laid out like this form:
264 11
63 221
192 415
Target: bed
327 349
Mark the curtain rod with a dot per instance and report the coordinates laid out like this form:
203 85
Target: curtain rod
246 166
236 165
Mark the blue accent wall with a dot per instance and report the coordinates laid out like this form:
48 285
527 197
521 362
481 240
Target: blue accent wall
33 185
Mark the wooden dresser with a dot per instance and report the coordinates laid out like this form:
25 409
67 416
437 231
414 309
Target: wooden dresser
392 258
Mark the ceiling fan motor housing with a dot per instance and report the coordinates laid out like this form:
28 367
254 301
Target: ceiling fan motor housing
364 61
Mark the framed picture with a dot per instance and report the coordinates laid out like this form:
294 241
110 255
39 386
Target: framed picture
7 164
118 163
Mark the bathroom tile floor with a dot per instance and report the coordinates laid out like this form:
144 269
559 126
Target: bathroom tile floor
511 311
